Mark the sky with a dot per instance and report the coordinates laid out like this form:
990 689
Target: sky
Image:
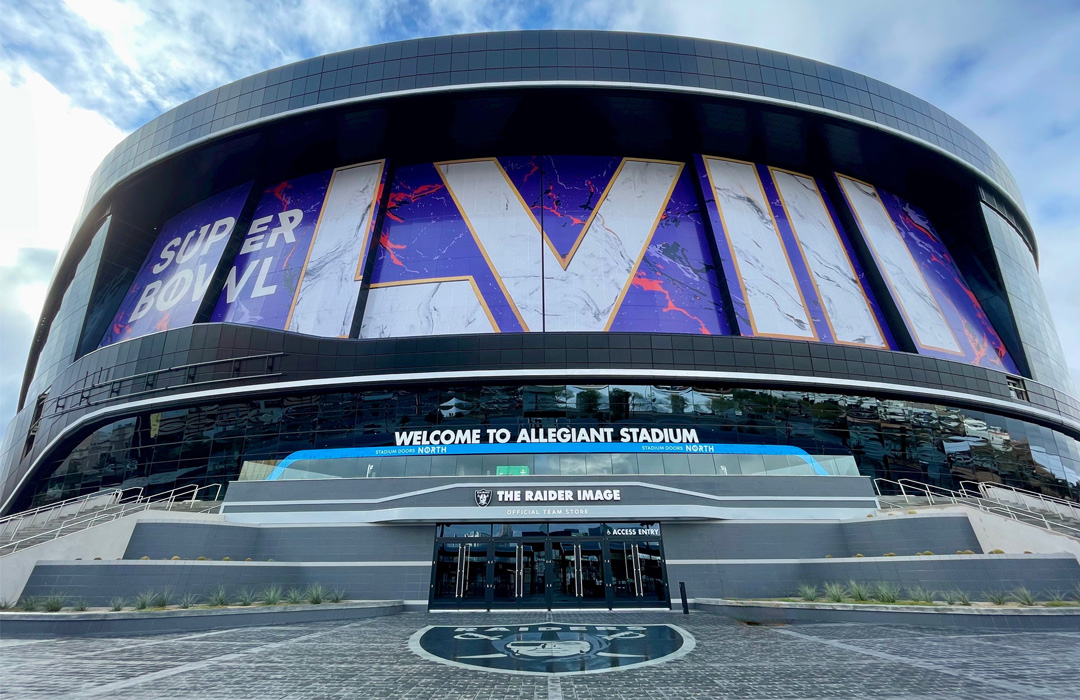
76 76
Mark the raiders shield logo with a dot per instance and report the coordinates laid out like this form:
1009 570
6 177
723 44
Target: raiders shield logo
483 497
548 648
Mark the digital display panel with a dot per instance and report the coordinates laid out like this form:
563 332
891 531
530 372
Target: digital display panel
261 285
301 262
534 243
939 309
790 269
169 287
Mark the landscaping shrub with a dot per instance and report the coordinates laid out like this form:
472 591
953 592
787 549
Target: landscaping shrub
163 598
919 594
294 596
834 592
858 591
886 592
336 595
53 603
271 595
315 594
245 596
188 600
145 600
1024 596
28 604
808 592
219 597
956 597
81 605
6 605
996 597
117 604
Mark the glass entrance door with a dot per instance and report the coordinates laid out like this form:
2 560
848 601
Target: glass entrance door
637 576
578 574
518 574
583 565
461 576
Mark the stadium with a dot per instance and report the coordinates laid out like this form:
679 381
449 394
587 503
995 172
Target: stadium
551 319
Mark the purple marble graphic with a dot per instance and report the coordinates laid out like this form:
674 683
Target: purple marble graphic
727 262
831 269
261 286
979 342
573 189
675 287
424 238
170 285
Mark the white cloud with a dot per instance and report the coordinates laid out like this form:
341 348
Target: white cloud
51 148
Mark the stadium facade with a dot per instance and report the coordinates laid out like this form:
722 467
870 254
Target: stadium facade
539 306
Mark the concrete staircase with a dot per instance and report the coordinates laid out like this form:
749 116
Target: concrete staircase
916 495
31 535
33 528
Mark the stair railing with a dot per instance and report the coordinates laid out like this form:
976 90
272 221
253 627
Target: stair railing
939 495
1024 498
180 494
35 517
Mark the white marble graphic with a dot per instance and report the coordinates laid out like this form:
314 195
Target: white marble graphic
850 316
326 300
584 296
505 229
910 290
772 295
428 308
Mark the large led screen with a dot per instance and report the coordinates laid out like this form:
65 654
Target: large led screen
790 269
939 309
170 285
543 243
300 265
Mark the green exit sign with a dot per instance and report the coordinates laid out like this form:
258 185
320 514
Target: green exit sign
511 471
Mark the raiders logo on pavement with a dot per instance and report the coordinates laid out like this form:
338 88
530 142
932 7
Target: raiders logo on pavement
547 648
483 497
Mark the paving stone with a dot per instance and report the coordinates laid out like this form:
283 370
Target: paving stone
372 659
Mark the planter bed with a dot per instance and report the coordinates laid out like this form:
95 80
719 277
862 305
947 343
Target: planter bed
169 620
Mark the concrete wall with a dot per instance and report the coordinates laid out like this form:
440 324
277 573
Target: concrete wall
901 534
1013 537
98 582
310 543
974 574
108 541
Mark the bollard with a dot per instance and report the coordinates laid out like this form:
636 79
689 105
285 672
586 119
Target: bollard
682 592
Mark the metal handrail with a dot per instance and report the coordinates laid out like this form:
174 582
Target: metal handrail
52 510
1054 505
61 504
966 499
178 494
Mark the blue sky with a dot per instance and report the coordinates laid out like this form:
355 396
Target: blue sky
77 75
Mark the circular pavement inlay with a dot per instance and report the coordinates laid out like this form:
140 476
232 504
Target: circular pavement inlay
551 648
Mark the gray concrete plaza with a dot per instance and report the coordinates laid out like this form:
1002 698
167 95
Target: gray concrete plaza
372 659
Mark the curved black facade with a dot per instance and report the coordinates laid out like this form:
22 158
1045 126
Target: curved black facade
774 251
